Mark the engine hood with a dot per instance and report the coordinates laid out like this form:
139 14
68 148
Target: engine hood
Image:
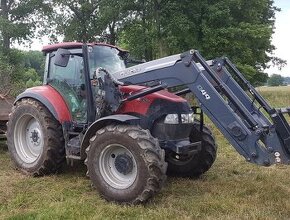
162 102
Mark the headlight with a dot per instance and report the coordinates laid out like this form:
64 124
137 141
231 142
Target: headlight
187 118
174 119
171 119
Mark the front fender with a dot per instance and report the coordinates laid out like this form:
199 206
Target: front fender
91 131
51 99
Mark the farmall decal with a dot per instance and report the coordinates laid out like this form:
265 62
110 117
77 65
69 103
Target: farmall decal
203 92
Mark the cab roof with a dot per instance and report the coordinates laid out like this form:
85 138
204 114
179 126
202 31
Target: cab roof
72 45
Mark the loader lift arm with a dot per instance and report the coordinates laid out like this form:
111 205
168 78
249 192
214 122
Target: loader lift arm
224 101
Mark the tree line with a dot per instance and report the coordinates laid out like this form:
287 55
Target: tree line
149 29
278 80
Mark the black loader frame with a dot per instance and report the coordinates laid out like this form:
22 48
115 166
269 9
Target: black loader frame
235 111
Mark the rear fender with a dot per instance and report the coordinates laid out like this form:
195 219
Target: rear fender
91 131
51 99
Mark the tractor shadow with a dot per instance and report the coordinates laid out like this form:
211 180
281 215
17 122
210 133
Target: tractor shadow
3 145
77 168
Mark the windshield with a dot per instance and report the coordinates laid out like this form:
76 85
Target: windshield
105 57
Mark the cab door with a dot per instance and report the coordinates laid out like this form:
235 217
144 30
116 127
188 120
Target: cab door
69 81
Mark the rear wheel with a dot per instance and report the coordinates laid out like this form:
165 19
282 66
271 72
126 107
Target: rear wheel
125 164
198 163
35 139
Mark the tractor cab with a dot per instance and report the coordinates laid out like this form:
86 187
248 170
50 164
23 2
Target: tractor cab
71 70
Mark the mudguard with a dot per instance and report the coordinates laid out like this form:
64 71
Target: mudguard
51 99
91 131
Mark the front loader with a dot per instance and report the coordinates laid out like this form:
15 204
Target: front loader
129 129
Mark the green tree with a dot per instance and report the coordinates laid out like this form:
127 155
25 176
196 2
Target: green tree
88 21
151 29
30 83
112 17
10 73
77 19
6 71
245 36
31 74
19 20
275 80
16 71
34 60
238 29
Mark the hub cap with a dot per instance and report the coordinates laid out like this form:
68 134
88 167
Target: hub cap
118 166
28 138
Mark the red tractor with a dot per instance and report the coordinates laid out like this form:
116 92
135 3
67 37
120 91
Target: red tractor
128 128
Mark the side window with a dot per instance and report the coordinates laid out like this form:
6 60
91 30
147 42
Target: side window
72 73
69 81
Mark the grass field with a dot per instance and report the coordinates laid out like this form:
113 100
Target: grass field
232 189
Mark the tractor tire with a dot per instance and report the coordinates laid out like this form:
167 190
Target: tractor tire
35 140
125 164
197 164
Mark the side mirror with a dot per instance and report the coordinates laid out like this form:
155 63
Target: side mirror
62 57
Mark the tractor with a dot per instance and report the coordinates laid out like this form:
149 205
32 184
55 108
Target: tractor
130 128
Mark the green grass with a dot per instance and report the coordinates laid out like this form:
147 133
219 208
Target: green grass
232 189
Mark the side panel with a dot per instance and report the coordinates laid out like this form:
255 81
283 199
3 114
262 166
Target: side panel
49 97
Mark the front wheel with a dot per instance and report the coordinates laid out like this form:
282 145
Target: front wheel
198 163
125 164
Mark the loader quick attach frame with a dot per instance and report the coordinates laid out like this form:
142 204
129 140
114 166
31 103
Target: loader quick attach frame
235 111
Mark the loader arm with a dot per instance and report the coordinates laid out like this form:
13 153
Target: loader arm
224 101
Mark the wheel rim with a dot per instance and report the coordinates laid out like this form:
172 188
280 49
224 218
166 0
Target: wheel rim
118 166
28 138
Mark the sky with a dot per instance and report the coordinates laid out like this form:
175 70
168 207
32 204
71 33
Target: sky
280 39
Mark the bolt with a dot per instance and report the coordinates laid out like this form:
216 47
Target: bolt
219 67
258 132
267 162
254 155
270 149
277 154
191 51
